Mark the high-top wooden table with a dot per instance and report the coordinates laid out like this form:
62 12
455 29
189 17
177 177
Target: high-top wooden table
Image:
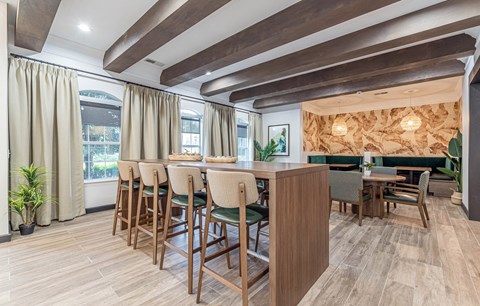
298 223
376 209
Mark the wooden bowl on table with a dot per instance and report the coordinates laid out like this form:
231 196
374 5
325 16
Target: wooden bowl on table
221 159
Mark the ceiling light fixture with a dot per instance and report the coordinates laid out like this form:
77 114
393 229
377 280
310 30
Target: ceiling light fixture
208 73
339 127
84 27
411 122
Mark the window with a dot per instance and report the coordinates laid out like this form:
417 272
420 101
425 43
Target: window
242 134
101 140
191 136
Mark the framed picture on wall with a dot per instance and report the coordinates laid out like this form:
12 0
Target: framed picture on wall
281 136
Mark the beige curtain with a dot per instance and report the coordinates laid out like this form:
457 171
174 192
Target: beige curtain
151 123
255 132
219 130
45 128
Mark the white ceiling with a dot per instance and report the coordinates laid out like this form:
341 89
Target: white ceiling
433 92
109 19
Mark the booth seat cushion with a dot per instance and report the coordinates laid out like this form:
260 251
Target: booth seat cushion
432 162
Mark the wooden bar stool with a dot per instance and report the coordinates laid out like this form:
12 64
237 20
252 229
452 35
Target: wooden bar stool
185 186
231 191
129 173
152 176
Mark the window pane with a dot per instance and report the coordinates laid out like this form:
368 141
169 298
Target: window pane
112 134
97 153
96 133
98 170
113 152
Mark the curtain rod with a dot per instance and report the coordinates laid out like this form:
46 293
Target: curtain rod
186 97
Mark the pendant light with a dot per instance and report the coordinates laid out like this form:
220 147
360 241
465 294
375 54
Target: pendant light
339 127
411 122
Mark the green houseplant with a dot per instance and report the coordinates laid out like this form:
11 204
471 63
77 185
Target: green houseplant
265 153
454 155
28 197
368 168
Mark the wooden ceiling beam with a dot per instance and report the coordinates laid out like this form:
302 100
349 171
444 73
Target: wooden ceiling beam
299 20
164 21
439 20
450 48
34 20
416 75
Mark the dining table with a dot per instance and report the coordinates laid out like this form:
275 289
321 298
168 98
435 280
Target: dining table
299 222
374 208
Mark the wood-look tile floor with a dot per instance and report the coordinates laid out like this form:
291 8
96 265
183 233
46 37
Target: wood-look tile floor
394 261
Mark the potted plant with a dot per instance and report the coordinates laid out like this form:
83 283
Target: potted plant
454 154
28 197
265 153
368 168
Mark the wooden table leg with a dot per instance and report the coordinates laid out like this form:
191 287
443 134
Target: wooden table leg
299 236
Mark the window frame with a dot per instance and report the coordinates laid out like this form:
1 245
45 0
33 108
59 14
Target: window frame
242 125
106 104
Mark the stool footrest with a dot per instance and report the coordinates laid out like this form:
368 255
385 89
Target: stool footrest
219 253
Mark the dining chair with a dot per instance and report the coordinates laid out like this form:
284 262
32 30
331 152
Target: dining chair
185 191
129 174
389 171
347 187
233 194
152 176
408 194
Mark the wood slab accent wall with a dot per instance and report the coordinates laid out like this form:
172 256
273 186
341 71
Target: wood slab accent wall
379 131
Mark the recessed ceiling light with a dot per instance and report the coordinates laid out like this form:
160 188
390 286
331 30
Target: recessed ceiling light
84 27
208 73
411 91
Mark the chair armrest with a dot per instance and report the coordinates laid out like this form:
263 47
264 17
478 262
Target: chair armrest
401 189
407 185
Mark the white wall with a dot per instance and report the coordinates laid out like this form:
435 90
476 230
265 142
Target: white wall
294 118
466 121
4 228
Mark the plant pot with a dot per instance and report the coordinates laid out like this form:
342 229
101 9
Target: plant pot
368 172
26 229
456 198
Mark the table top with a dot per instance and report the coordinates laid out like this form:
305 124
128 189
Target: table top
342 165
411 168
263 170
377 177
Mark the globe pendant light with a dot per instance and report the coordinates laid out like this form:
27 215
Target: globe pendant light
411 122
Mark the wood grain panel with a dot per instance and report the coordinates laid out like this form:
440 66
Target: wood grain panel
164 21
446 49
34 20
438 20
435 72
298 235
299 20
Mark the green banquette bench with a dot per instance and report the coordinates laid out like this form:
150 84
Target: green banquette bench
410 161
337 159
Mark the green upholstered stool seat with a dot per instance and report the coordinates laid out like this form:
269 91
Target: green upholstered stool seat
261 209
400 196
182 200
201 195
232 215
149 191
136 185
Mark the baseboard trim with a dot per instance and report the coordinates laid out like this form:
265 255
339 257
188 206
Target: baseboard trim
99 208
465 209
5 238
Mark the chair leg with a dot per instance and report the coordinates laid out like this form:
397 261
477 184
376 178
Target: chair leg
425 210
224 229
243 262
166 224
129 219
360 214
345 206
190 216
203 254
388 208
117 205
259 224
155 228
200 227
394 205
137 221
340 206
420 209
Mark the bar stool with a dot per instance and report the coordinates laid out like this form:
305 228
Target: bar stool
152 176
186 183
231 191
129 173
